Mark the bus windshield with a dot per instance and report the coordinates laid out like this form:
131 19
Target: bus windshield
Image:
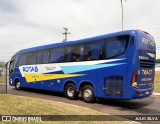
12 64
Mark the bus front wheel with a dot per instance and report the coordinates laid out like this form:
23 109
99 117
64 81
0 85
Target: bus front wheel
70 91
17 85
88 94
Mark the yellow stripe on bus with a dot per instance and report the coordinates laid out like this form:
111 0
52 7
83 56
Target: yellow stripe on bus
43 77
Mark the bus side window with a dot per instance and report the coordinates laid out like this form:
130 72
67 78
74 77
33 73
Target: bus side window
21 60
87 53
115 47
31 58
43 57
95 51
77 53
57 55
81 52
68 54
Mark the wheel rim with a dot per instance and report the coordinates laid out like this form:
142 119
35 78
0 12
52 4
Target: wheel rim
88 94
70 91
18 85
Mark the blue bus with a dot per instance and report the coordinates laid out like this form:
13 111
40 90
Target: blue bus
119 65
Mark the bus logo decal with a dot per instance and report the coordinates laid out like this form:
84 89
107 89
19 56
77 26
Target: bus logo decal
148 42
30 69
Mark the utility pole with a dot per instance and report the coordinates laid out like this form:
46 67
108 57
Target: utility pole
122 12
65 34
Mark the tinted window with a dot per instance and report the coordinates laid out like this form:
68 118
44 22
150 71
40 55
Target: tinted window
21 60
68 54
95 50
116 46
43 57
31 58
12 63
76 53
57 55
132 41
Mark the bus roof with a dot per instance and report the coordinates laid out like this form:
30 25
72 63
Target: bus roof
55 45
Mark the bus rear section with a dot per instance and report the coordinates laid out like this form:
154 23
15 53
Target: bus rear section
143 73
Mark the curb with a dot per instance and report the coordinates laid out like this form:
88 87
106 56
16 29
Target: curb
156 93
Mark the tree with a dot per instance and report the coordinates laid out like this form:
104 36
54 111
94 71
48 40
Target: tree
2 67
157 60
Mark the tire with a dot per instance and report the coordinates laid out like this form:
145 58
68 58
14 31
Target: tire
70 91
18 85
88 94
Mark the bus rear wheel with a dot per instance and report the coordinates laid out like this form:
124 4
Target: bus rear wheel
17 85
70 91
88 94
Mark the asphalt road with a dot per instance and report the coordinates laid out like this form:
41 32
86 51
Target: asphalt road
150 105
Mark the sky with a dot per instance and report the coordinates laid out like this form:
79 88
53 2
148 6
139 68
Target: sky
30 23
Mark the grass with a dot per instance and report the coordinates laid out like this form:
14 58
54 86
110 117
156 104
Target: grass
2 80
157 82
20 105
12 104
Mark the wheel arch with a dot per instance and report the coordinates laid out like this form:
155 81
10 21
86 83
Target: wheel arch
16 79
83 83
67 82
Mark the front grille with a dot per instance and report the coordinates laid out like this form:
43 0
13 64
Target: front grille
147 63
